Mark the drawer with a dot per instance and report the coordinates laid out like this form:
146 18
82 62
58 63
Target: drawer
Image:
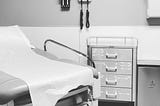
112 54
115 94
113 80
114 67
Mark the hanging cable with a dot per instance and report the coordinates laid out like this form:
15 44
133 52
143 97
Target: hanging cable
53 41
81 16
87 15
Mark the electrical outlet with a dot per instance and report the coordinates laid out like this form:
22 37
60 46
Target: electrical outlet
152 84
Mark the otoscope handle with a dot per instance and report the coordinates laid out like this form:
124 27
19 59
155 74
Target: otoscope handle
81 19
87 19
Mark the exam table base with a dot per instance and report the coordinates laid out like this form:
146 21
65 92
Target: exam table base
94 103
20 96
78 97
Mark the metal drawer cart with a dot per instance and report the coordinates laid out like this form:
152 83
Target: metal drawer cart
116 59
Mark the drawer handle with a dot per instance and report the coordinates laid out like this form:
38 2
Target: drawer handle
111 69
111 95
111 56
111 82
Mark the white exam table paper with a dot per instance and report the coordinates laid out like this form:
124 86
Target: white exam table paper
47 80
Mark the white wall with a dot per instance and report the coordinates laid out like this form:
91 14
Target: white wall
47 13
148 38
66 35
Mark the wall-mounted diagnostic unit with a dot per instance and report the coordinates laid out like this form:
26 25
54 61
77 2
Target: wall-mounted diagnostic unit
87 24
116 60
65 4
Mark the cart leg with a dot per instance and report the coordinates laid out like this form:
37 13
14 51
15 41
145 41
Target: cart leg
93 103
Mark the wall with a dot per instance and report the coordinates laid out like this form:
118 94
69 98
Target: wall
148 38
47 13
66 35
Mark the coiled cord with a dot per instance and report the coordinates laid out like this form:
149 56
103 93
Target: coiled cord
87 15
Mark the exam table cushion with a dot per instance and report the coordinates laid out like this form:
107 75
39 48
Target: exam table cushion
11 88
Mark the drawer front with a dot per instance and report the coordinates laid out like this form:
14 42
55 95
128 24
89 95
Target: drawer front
115 94
114 67
116 80
112 54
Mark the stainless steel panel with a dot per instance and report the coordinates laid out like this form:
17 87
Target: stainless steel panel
148 85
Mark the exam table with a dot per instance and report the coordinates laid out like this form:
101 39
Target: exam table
20 86
16 90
